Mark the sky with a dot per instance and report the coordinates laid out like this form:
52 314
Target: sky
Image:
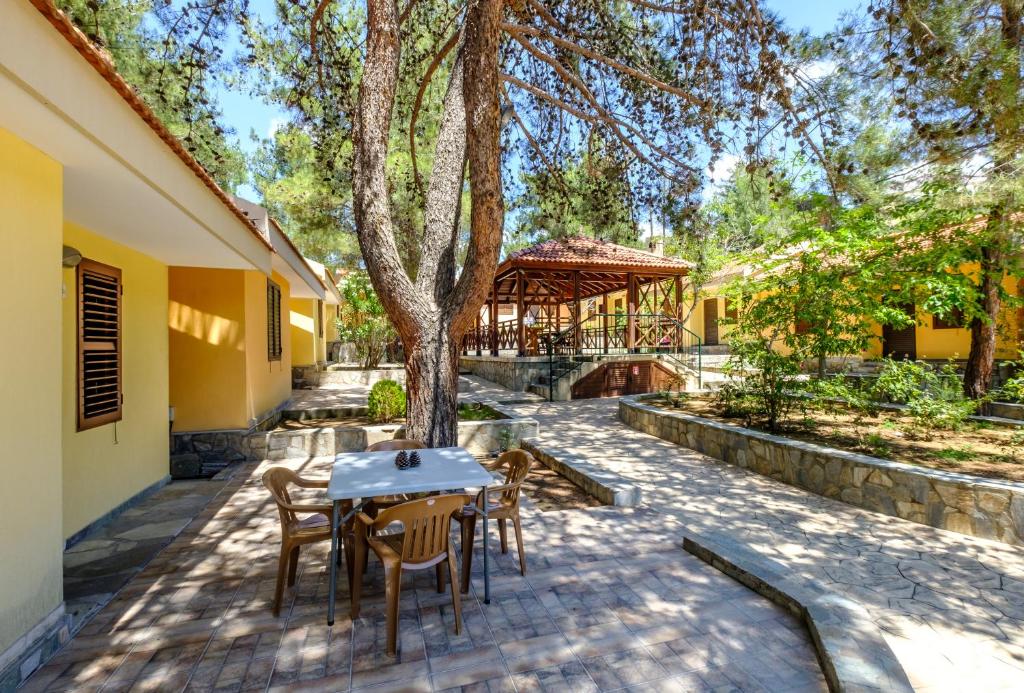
246 114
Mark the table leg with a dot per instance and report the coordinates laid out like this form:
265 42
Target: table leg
334 563
487 572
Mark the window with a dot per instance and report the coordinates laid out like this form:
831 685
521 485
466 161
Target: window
319 318
273 321
802 327
953 321
99 344
504 309
731 312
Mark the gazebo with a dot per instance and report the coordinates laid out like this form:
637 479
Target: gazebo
582 295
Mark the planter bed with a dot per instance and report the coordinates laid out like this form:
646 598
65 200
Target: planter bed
969 504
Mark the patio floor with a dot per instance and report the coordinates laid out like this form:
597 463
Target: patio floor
610 602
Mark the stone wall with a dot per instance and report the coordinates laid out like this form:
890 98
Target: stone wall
476 436
980 507
1006 410
511 373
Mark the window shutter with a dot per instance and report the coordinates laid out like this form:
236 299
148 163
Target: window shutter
319 318
273 321
99 344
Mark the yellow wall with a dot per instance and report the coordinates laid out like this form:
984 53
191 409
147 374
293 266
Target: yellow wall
330 324
268 383
306 348
31 538
107 465
206 315
220 375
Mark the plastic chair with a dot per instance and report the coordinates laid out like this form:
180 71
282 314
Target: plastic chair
506 508
296 533
423 543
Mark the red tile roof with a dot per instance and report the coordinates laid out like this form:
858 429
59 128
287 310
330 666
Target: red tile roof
589 252
105 67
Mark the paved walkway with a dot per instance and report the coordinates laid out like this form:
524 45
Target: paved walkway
610 602
951 606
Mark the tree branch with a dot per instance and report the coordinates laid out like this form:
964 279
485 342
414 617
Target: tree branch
438 59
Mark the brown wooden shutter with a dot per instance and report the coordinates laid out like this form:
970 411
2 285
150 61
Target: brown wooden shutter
99 344
319 318
273 321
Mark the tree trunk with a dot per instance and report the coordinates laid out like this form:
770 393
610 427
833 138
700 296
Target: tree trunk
433 312
432 378
981 359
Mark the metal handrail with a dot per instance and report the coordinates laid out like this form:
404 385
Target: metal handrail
559 338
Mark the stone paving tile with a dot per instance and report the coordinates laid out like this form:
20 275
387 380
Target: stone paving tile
951 606
197 617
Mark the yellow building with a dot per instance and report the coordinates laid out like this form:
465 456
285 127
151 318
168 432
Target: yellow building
104 218
930 337
231 348
312 321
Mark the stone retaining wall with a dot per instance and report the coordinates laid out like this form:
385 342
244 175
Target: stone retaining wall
1006 410
980 507
511 373
476 436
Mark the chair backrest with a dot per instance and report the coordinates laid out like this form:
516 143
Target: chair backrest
396 444
277 480
427 524
519 463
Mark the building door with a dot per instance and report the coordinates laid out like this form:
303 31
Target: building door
710 321
900 343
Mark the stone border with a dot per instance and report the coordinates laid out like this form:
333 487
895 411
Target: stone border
607 487
31 650
986 508
852 651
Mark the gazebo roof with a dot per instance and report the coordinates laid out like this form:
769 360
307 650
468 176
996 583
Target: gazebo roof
550 270
582 253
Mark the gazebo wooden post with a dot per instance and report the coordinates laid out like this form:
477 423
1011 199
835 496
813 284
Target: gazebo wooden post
478 337
493 320
631 313
578 336
677 310
520 310
604 322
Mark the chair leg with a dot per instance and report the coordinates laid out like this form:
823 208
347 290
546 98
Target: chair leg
439 569
282 574
517 524
293 566
393 589
456 599
503 532
357 566
468 534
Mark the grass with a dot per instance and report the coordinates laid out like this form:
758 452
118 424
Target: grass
955 454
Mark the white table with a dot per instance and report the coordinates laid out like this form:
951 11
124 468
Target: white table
363 475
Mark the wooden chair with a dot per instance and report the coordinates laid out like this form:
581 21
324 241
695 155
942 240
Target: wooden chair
423 543
506 508
378 503
296 532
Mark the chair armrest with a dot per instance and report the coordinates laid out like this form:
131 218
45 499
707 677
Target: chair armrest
311 483
496 489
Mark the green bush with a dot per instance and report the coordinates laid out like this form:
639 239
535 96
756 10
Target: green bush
934 397
830 392
764 383
386 401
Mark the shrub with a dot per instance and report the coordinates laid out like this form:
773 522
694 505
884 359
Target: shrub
364 322
829 392
764 383
933 396
386 401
